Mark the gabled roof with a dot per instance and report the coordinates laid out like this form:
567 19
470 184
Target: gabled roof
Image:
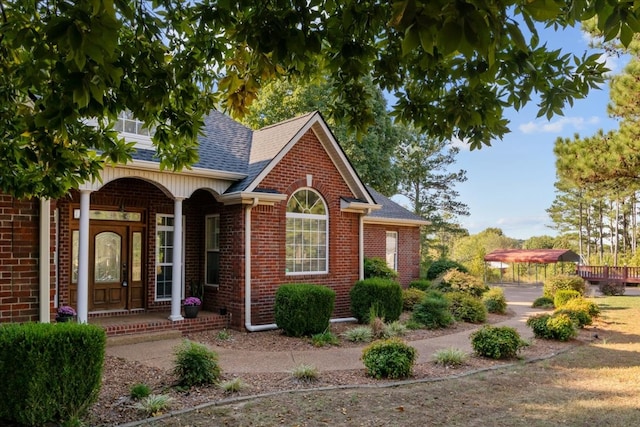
391 212
540 256
228 146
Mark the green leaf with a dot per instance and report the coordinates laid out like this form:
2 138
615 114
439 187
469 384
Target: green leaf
411 40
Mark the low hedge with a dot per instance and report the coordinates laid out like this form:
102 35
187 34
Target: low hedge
303 309
51 373
384 294
466 308
377 267
391 358
497 342
563 296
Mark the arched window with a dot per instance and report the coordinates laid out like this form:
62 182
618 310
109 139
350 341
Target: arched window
307 231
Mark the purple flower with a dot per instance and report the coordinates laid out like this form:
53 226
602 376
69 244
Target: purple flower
192 301
65 310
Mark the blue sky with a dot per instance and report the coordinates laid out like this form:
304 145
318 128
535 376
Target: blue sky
510 184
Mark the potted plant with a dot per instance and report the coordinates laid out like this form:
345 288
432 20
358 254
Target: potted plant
191 307
65 313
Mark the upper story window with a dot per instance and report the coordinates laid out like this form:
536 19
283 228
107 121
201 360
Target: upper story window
128 124
133 130
307 230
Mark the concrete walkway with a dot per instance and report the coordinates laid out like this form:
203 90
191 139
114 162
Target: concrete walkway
160 353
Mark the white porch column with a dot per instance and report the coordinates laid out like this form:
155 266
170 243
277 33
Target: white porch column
176 279
44 290
83 258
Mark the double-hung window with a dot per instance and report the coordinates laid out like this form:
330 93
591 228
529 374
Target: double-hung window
165 256
307 233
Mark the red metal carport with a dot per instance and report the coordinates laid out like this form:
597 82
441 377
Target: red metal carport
529 256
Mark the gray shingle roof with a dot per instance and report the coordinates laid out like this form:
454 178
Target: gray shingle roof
390 209
224 145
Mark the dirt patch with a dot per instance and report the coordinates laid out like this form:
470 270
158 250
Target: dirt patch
115 407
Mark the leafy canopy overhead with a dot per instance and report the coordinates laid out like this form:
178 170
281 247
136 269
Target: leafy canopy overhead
68 67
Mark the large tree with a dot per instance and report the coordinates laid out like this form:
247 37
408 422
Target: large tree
68 68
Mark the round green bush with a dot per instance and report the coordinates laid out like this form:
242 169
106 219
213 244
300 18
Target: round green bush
562 327
562 296
303 309
377 267
466 308
433 311
579 317
196 364
557 326
385 295
563 281
612 288
411 297
457 281
422 284
441 266
495 301
583 304
496 342
391 358
543 302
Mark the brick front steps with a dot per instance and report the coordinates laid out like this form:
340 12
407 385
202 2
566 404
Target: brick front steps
145 323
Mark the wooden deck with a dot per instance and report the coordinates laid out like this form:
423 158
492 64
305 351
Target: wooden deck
604 273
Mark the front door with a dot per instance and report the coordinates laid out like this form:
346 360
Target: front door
115 267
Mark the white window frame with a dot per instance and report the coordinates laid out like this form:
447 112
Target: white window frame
142 140
304 217
207 249
155 277
394 253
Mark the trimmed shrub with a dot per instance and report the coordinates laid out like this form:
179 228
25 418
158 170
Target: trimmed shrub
543 302
496 342
579 317
552 327
562 327
563 281
466 308
562 296
391 358
377 267
411 297
441 266
457 281
303 309
51 373
433 311
495 301
196 364
422 284
385 295
583 304
612 288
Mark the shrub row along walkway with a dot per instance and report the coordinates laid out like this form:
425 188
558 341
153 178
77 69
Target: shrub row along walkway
161 353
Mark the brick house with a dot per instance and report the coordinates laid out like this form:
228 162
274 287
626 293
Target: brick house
260 208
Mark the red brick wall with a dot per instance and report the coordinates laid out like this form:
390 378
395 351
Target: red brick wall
269 225
375 239
19 260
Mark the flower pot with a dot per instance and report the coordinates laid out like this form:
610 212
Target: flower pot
191 311
61 318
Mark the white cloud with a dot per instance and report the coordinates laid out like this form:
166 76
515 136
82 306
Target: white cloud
557 126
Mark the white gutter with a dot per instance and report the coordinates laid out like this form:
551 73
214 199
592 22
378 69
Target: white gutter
247 276
45 261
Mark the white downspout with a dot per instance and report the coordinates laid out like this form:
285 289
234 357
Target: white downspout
45 261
